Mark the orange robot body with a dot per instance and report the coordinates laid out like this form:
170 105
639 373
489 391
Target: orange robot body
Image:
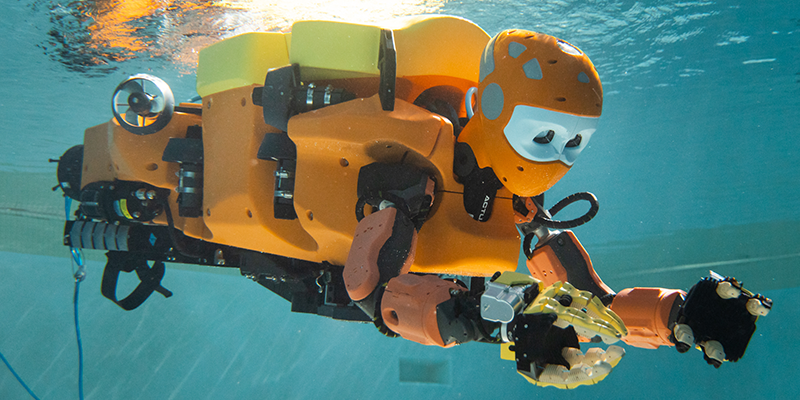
376 177
332 144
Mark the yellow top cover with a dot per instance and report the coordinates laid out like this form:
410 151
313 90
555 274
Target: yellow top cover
239 61
426 46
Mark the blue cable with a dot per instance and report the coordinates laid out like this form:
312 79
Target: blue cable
21 382
80 345
79 275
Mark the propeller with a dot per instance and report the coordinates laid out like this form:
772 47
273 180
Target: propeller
143 104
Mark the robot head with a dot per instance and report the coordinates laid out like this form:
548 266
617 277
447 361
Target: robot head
538 102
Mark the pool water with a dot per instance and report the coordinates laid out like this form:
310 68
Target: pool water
695 164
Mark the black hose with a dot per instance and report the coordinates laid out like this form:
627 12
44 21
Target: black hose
360 204
554 224
526 245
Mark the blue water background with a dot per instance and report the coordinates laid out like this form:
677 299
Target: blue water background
699 132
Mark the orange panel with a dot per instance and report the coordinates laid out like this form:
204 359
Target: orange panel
335 142
111 152
238 187
545 266
361 272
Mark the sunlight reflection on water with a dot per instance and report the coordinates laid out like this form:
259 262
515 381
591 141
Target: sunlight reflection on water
92 36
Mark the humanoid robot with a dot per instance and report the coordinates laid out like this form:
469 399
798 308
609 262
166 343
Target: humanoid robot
442 190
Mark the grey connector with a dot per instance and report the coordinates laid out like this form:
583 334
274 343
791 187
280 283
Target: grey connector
500 303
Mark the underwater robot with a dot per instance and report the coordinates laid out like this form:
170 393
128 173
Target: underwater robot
386 174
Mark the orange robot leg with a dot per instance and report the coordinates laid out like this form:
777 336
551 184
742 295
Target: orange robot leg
647 313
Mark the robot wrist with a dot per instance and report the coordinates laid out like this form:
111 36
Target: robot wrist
459 319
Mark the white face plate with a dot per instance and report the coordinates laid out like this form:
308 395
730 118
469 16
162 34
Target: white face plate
528 123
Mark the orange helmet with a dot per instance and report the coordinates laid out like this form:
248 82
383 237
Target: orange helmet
538 102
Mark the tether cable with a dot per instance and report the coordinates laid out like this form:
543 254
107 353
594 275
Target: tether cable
19 379
79 275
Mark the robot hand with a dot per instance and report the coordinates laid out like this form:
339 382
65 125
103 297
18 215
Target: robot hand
719 318
545 337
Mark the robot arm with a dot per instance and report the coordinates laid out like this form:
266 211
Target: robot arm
385 240
376 271
542 321
538 326
717 315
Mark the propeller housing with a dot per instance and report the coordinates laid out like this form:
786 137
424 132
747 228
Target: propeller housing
143 104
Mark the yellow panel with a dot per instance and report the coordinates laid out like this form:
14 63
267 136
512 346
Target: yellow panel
426 45
513 278
240 61
438 45
339 49
506 353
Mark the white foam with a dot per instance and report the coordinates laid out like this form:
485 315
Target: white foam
759 61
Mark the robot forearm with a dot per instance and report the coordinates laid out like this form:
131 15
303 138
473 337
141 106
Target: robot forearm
649 314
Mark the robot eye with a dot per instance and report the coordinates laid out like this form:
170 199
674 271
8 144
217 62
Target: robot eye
575 142
544 137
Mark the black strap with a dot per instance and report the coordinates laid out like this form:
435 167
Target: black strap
480 189
387 63
480 184
150 278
